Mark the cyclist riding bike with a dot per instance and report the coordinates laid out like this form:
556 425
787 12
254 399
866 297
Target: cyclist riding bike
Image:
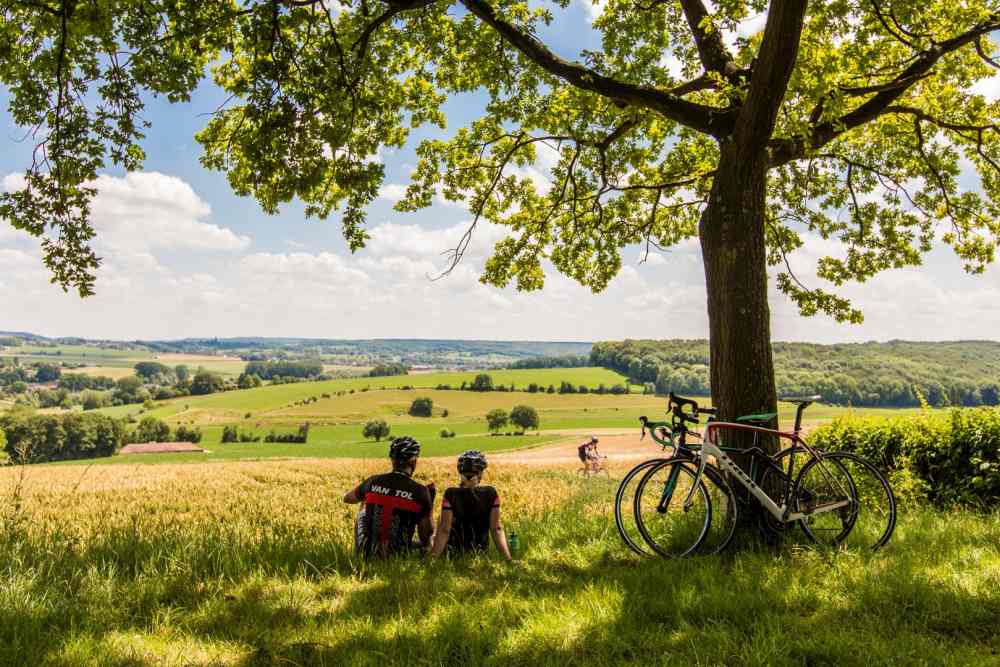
395 505
589 455
470 513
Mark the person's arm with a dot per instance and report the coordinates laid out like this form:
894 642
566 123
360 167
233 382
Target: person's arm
443 531
425 529
355 495
499 537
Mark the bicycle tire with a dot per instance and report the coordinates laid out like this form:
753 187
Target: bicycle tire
689 533
725 513
821 481
619 501
876 511
774 481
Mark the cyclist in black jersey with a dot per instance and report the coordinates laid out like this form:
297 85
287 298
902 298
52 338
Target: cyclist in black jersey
394 506
470 512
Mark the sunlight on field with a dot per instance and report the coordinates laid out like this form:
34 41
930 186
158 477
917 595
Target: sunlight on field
244 563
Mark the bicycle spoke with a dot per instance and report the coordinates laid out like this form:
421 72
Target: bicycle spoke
824 491
876 505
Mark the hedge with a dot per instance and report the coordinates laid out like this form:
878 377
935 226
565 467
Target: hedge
950 458
40 438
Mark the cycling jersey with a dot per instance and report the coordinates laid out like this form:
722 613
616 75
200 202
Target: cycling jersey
470 516
582 451
394 505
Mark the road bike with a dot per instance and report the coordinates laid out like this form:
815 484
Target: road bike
684 503
592 468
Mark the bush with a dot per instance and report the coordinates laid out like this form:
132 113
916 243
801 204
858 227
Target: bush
953 458
447 433
444 413
377 429
150 429
300 436
422 407
566 388
229 434
40 438
386 370
206 382
497 419
524 416
188 434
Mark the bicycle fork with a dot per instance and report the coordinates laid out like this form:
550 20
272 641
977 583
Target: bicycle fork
668 491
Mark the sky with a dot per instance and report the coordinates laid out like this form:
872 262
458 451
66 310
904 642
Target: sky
185 257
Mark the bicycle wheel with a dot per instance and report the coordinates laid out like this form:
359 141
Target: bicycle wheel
667 527
875 510
825 493
624 518
774 481
725 513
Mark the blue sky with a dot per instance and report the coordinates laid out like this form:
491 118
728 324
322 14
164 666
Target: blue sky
185 257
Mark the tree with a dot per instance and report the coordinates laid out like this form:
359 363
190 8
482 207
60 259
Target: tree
206 382
422 407
130 390
47 373
152 370
377 428
524 416
483 382
151 429
864 110
182 373
497 419
248 381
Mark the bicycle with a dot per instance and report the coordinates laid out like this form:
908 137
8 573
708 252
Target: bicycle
826 498
591 469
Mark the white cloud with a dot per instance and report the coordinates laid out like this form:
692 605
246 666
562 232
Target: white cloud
392 192
150 210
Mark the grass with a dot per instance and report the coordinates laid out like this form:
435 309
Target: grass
250 564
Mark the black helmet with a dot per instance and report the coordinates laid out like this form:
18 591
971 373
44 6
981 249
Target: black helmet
403 448
472 462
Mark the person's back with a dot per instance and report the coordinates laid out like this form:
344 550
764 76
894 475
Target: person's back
395 506
470 511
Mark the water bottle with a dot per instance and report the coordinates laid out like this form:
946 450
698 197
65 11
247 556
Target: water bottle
514 543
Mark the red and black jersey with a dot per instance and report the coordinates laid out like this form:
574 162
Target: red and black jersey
583 451
470 521
394 505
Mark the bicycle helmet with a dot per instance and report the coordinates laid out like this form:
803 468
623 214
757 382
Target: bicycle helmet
403 448
472 462
594 439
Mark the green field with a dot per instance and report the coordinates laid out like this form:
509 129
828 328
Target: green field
245 564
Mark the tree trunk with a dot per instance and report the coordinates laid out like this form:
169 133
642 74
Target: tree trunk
732 243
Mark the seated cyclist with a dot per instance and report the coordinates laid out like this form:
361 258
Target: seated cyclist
394 506
470 513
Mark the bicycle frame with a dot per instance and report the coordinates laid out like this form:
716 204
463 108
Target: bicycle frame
782 512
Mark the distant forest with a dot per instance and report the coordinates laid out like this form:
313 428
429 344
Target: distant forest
893 374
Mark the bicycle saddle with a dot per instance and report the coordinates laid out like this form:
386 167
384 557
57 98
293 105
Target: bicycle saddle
801 400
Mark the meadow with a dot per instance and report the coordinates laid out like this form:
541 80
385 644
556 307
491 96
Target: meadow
250 563
337 415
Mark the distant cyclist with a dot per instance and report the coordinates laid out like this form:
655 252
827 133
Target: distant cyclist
470 513
394 506
588 454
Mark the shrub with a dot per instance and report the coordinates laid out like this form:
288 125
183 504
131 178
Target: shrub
385 370
566 388
377 429
497 419
229 434
618 389
524 416
444 413
953 458
447 433
187 434
551 389
301 436
422 407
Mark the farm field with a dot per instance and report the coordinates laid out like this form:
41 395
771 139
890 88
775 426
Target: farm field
118 363
250 563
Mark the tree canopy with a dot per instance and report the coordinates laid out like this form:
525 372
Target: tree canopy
877 120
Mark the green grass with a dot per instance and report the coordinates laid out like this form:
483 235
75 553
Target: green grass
250 564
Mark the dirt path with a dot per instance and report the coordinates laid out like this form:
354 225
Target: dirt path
617 447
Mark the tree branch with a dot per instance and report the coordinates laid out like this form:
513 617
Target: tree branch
700 117
787 149
711 50
769 81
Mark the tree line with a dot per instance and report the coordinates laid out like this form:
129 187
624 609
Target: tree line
893 374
